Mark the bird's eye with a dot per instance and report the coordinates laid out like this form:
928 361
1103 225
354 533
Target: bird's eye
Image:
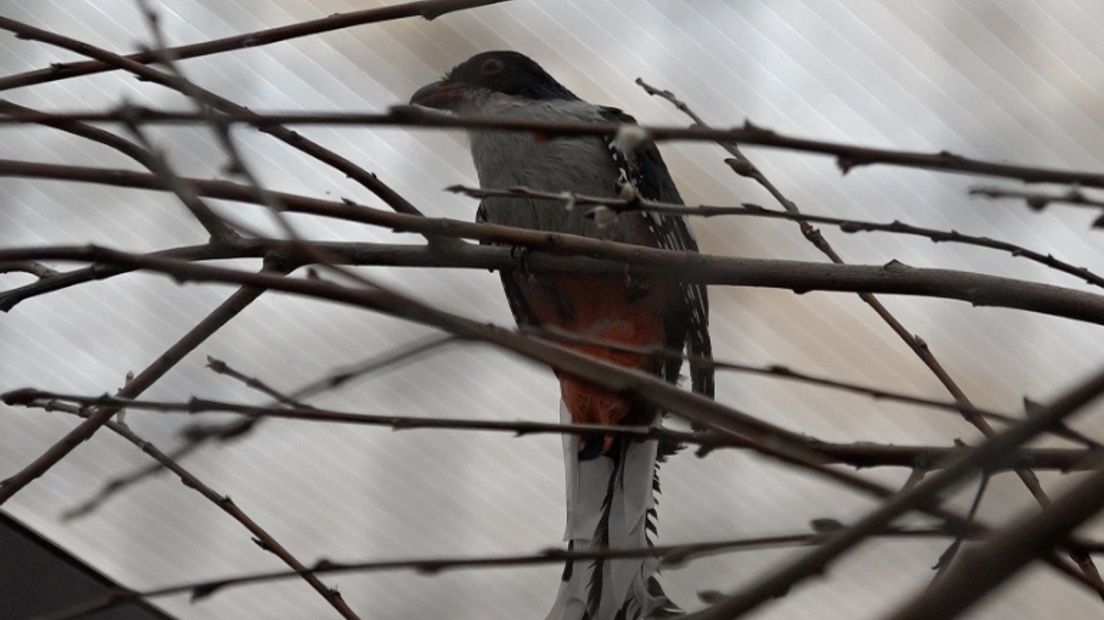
491 66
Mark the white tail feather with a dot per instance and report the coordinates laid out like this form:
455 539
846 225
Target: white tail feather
608 499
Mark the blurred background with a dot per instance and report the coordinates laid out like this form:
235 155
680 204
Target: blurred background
1002 80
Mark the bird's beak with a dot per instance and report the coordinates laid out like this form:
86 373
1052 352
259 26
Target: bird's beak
442 94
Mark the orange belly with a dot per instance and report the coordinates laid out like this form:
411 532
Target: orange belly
609 309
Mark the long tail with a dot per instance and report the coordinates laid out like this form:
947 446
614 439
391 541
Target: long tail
611 503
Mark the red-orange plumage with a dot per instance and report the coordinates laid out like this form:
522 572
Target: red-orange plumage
604 308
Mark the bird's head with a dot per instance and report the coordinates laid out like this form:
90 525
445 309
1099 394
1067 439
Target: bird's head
503 72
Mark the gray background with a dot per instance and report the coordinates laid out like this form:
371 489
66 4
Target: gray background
1008 80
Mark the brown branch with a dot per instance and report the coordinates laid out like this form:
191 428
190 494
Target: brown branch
753 210
1037 201
783 372
986 567
669 555
765 438
994 450
406 255
148 157
83 130
263 539
893 278
196 435
220 367
37 270
858 455
745 167
947 557
227 107
428 9
134 387
847 156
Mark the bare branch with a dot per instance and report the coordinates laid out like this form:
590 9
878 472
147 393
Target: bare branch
858 455
669 555
991 452
847 156
765 438
294 139
981 570
753 210
1037 201
744 166
428 9
196 435
189 341
263 539
894 277
37 270
783 372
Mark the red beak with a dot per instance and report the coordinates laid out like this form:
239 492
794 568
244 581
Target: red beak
441 95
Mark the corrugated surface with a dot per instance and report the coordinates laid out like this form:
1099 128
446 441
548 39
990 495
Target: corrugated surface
1010 80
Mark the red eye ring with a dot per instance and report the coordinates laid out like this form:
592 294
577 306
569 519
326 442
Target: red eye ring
491 66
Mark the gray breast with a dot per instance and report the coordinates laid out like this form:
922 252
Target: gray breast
580 165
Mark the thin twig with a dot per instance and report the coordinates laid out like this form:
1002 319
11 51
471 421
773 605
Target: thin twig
1037 201
133 388
745 167
227 107
222 368
949 554
263 539
859 455
982 569
987 454
894 277
753 210
196 435
784 372
428 9
847 156
671 556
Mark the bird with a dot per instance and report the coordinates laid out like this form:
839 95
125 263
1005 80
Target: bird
611 482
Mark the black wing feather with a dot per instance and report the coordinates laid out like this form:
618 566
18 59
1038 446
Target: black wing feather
645 170
523 316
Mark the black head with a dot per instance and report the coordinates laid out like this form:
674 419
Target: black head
504 72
